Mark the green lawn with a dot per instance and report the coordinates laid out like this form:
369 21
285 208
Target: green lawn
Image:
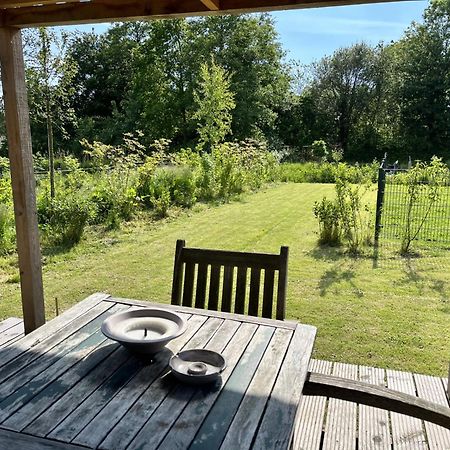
395 313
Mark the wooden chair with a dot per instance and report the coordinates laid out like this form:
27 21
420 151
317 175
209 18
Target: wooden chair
194 265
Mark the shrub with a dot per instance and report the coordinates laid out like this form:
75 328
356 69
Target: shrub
327 213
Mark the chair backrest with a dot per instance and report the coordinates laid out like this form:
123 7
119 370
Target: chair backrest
235 274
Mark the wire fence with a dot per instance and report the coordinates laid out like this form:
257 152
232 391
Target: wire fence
416 210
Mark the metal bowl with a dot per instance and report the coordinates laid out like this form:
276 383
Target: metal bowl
197 366
145 330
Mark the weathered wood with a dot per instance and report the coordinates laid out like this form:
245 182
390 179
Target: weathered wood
135 418
159 424
214 427
17 441
287 392
241 282
51 13
223 315
227 289
188 287
177 281
430 388
229 260
22 177
8 323
185 428
373 429
311 414
21 370
98 428
377 396
407 432
214 283
245 423
200 291
12 333
340 425
92 368
40 348
269 277
253 302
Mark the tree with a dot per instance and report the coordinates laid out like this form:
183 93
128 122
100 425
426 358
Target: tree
215 103
423 68
49 78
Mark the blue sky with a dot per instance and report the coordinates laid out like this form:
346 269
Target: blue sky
309 34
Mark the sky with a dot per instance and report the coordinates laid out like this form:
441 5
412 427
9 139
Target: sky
309 34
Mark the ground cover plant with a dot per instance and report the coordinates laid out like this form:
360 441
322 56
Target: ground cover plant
394 313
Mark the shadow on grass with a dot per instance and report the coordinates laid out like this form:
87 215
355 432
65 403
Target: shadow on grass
336 275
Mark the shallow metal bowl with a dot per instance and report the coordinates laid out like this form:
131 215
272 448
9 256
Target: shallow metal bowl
145 330
197 366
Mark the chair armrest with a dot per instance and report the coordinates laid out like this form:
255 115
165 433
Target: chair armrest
377 396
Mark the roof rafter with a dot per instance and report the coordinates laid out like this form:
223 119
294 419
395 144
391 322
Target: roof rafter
19 13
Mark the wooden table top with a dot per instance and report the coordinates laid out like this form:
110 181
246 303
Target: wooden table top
65 386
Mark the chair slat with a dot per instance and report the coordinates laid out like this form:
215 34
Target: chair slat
227 288
177 273
200 292
189 272
282 284
255 280
214 285
239 305
269 277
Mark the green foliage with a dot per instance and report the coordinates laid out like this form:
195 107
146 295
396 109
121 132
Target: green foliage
347 218
7 233
214 102
327 214
319 150
424 183
312 172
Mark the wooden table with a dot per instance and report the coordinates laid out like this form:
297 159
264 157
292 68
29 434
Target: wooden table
65 386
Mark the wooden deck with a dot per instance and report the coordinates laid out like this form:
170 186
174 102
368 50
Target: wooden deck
332 424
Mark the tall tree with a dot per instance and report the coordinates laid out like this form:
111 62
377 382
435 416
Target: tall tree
215 102
423 68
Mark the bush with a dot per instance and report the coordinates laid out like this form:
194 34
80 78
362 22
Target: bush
327 213
7 230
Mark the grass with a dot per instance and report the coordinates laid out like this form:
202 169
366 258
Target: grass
393 312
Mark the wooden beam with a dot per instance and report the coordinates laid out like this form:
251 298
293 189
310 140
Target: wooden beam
22 176
213 5
377 396
96 11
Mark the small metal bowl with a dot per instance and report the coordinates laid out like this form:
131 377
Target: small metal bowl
197 366
145 330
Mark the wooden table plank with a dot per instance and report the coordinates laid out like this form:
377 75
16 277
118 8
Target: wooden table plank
8 323
242 429
12 440
287 392
311 414
190 420
430 388
45 347
95 367
12 333
47 363
373 422
34 386
130 424
34 338
214 427
159 424
340 427
407 432
206 312
111 414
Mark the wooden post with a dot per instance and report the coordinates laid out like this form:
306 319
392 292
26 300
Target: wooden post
22 176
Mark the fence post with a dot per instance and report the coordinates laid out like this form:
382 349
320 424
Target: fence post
380 199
